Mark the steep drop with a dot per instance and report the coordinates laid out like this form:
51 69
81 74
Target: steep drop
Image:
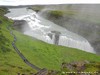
47 31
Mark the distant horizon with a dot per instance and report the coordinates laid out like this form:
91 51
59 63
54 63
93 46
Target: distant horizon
45 2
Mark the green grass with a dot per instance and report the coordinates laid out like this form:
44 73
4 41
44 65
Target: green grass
10 62
74 14
56 14
37 52
48 55
36 8
60 13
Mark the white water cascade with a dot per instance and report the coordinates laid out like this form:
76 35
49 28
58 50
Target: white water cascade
47 31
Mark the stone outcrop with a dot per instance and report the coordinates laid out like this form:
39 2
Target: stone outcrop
73 68
54 35
80 68
21 25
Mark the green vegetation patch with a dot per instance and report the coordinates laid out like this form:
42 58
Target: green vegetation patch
61 13
56 14
50 56
10 62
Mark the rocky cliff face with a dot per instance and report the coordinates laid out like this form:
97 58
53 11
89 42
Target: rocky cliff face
20 25
90 31
80 19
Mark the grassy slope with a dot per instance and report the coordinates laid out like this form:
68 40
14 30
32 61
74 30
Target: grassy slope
38 52
10 62
50 56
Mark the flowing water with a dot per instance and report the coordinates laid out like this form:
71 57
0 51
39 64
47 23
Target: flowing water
47 31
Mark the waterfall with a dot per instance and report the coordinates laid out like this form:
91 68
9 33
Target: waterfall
47 31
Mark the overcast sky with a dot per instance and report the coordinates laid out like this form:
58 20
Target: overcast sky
32 2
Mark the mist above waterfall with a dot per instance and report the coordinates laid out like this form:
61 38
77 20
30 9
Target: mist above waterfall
82 19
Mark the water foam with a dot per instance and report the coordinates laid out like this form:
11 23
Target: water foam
41 28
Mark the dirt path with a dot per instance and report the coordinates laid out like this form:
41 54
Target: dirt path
19 53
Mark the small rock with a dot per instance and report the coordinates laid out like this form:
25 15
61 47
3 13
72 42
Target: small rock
18 74
42 72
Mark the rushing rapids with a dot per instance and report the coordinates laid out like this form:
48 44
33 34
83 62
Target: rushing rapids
47 31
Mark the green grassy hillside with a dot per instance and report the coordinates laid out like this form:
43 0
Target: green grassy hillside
10 62
50 56
37 52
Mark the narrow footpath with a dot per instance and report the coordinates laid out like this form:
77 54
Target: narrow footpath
19 53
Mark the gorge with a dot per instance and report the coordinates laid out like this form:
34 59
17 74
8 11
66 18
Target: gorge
49 39
82 19
42 29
